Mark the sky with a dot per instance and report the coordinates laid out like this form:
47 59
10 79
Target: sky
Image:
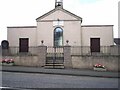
25 12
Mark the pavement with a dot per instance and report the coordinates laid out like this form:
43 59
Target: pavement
73 72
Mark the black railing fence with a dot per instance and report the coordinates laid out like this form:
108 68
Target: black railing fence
86 50
75 50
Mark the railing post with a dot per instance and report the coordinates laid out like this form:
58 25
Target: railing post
42 50
67 57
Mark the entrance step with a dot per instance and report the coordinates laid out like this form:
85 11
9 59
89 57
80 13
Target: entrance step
57 66
55 62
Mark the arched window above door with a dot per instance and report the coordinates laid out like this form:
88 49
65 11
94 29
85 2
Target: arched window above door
58 36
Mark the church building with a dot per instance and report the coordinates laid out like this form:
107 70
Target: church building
59 40
58 27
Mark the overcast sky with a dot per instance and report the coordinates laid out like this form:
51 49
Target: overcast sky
25 12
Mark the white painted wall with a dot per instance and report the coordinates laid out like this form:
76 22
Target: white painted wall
105 33
45 32
14 33
71 28
71 32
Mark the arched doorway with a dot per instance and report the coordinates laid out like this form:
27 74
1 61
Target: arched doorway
58 37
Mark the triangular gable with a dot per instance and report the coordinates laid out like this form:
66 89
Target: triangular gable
58 9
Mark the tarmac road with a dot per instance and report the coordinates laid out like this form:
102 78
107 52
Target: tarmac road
32 80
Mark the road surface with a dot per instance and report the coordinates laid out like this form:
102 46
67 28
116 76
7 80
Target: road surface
28 80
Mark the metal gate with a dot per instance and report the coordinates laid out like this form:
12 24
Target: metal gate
55 57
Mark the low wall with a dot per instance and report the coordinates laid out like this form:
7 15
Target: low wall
80 62
25 60
87 62
73 58
36 57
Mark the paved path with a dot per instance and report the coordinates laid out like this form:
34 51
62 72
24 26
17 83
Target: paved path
74 72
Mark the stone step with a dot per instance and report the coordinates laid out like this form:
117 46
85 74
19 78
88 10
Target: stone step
55 61
57 66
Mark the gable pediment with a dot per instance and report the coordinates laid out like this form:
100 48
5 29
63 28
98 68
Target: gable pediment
58 13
